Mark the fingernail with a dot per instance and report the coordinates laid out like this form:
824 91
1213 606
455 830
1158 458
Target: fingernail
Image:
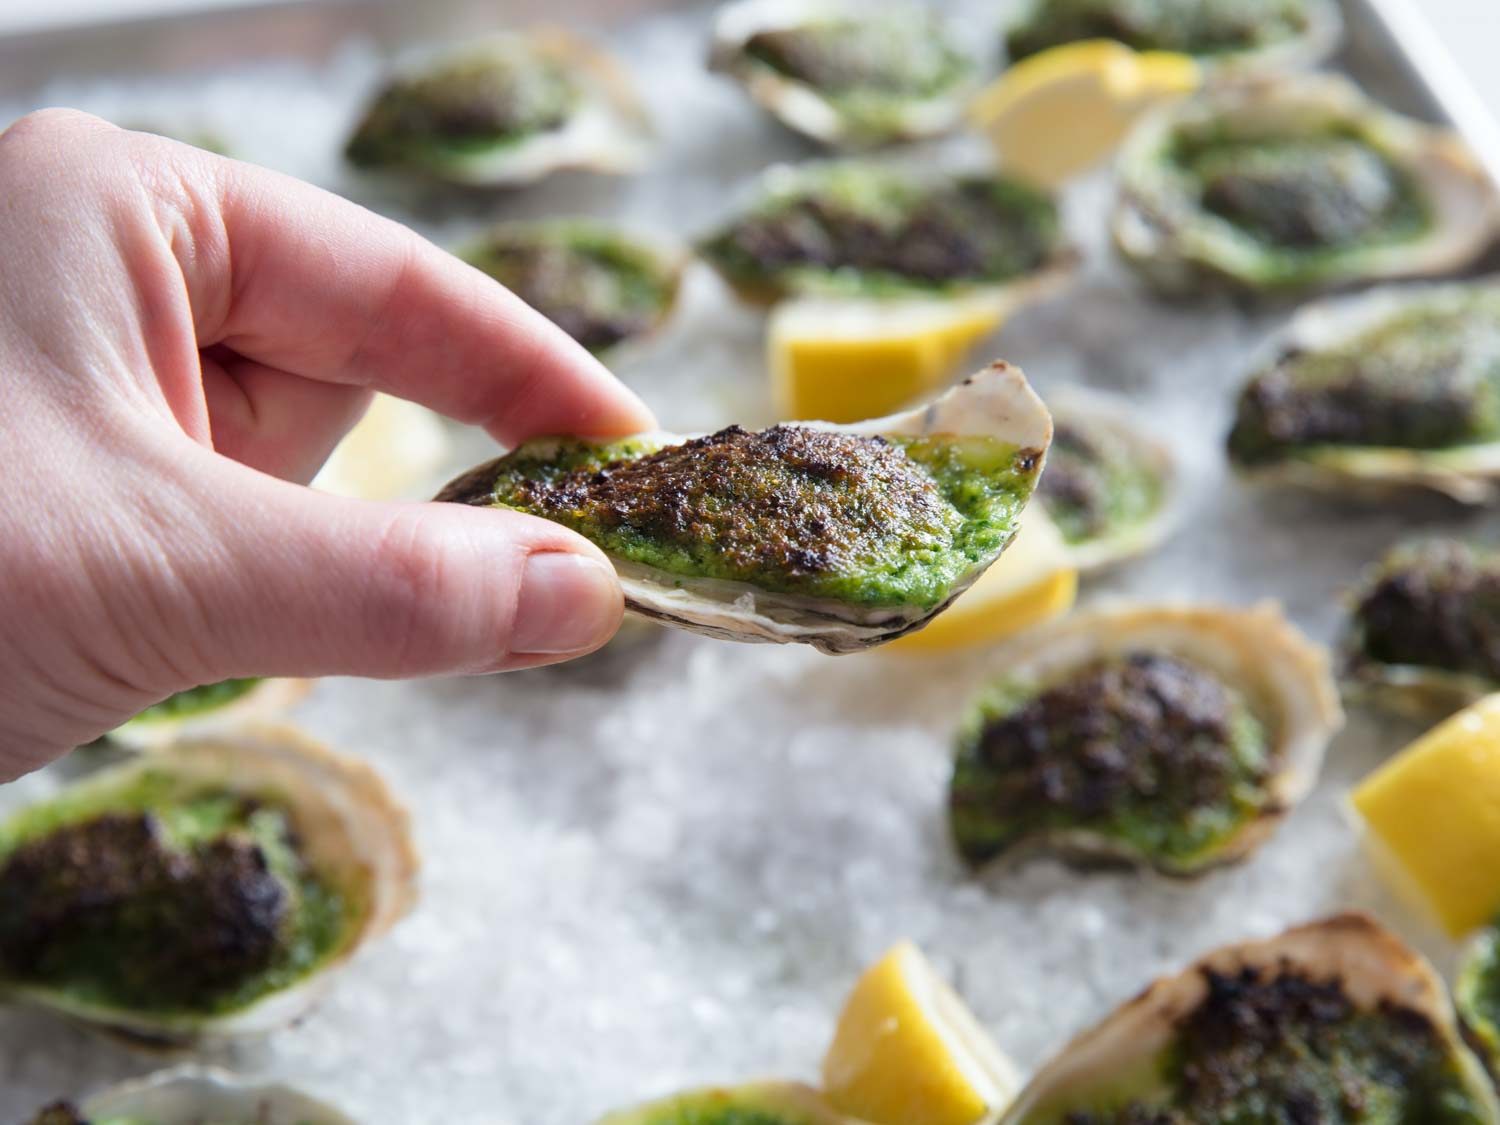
569 603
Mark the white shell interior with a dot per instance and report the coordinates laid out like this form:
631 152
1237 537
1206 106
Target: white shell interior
191 1095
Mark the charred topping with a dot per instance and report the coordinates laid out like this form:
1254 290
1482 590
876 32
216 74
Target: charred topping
159 926
1427 379
1147 747
1280 1046
60 1113
472 101
1195 27
892 54
1095 481
596 287
1434 604
879 229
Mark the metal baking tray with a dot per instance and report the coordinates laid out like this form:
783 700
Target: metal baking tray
664 865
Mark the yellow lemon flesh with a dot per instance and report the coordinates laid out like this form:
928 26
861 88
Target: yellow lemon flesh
390 454
1433 813
1033 582
1062 111
845 360
909 1052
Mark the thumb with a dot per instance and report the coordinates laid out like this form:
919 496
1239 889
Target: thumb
298 582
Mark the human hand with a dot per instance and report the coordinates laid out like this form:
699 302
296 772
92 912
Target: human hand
183 340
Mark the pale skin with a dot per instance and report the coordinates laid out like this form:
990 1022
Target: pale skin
183 340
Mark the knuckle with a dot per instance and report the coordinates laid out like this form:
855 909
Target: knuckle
411 580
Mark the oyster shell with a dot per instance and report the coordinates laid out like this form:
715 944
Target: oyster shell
1423 634
231 873
848 74
860 228
1394 388
1247 700
603 286
1342 968
1231 38
505 110
873 539
1294 184
763 1103
206 708
192 1095
1110 486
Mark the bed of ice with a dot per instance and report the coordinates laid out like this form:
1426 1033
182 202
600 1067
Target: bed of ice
665 865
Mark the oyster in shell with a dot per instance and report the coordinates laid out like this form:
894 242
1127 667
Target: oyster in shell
851 75
505 110
836 536
1476 993
1336 1021
602 286
759 1103
1229 37
203 892
1294 184
858 228
1109 485
192 1095
1395 388
206 708
1172 737
1423 636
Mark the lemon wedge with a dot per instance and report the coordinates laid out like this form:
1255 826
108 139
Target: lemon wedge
391 452
1433 814
909 1052
1060 112
1034 581
845 360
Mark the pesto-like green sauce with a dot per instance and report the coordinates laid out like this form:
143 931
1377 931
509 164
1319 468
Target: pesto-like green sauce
197 701
1196 27
598 285
792 510
859 229
124 958
1427 377
1147 750
464 106
1096 483
724 1115
1477 994
1273 1047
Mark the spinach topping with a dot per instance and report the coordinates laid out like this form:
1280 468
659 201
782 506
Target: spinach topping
1477 994
149 899
791 509
1147 748
1096 483
1427 378
195 701
857 228
597 286
467 104
1194 27
1277 1047
1434 604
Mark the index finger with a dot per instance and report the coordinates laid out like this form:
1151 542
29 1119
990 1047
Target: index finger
323 288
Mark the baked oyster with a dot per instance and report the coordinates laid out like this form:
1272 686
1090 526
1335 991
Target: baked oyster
1336 1021
192 1095
506 110
1108 485
846 74
1171 737
760 1103
600 285
1294 184
206 707
1234 36
1424 628
203 892
1476 994
861 229
1395 388
840 537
